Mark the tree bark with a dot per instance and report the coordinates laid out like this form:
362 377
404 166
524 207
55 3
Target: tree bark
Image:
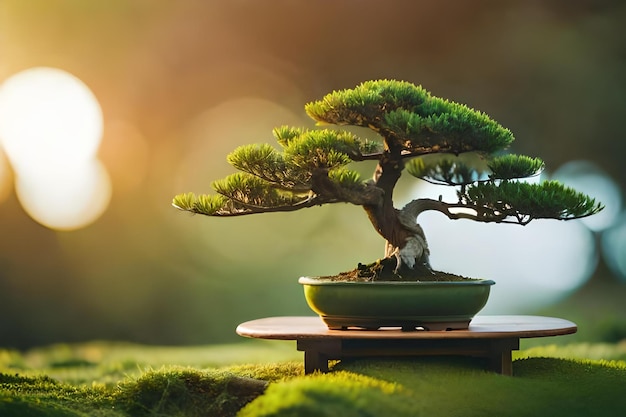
404 237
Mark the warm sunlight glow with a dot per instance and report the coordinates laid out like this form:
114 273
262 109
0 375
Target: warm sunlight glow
65 198
126 153
5 177
51 128
48 115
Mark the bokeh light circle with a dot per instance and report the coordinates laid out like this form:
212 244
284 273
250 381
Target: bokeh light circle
66 197
533 265
51 126
588 178
47 114
614 247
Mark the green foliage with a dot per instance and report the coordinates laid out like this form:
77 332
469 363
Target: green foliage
255 159
284 134
326 149
409 116
311 166
239 193
346 178
274 180
464 169
512 166
209 203
317 153
447 169
243 189
365 104
457 129
201 204
184 201
548 200
266 163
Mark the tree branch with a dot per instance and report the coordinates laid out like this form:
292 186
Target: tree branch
325 188
404 154
481 214
254 209
323 191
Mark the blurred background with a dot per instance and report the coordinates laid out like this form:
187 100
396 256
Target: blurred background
110 108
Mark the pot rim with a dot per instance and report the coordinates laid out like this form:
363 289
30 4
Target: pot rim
327 282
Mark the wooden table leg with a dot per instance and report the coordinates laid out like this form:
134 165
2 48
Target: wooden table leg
315 361
500 355
317 352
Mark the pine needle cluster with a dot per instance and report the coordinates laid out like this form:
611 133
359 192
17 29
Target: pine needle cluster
282 179
411 115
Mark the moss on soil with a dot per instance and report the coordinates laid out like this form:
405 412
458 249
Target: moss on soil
436 386
544 383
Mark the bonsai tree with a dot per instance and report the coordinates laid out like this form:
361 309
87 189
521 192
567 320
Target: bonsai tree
420 134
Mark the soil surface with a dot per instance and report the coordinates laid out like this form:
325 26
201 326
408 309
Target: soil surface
384 270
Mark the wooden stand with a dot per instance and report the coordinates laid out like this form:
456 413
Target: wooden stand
491 337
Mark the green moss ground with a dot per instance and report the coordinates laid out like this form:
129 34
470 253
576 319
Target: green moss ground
259 378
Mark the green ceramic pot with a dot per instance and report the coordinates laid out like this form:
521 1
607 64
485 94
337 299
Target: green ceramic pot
435 305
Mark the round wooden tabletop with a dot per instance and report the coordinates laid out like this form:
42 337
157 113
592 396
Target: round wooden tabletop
481 327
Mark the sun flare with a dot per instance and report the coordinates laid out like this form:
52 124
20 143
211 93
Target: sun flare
51 126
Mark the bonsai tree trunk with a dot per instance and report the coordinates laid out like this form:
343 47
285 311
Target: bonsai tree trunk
404 237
